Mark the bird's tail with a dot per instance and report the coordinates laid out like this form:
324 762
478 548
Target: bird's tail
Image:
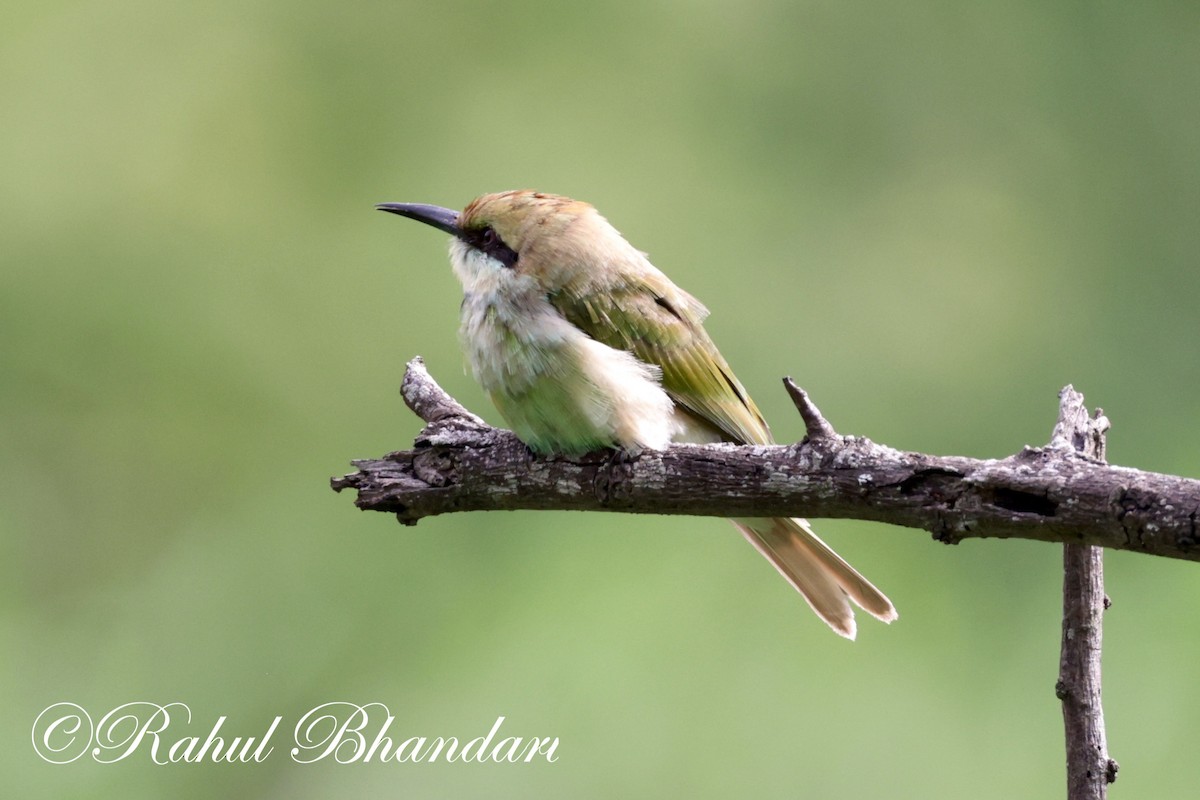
823 577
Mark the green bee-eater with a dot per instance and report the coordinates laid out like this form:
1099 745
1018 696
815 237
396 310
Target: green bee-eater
583 344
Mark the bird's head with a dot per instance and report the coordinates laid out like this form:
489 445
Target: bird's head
544 242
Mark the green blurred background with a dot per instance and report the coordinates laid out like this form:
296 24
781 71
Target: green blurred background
934 215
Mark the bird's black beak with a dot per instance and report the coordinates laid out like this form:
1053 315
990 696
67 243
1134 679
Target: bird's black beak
443 219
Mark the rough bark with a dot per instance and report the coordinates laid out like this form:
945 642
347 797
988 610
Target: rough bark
1052 493
1089 769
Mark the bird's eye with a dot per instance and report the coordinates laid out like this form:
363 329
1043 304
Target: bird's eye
487 240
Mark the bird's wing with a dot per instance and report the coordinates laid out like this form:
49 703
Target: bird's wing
660 324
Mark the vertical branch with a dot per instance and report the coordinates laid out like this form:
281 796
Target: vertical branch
1089 769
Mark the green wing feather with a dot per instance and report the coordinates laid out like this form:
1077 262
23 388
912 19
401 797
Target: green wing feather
659 323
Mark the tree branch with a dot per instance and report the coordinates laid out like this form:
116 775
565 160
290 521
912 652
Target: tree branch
1051 493
1089 769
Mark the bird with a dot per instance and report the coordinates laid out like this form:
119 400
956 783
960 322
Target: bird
582 344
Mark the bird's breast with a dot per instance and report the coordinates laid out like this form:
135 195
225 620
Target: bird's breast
559 389
510 342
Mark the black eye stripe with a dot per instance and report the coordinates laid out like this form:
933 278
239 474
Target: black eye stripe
486 240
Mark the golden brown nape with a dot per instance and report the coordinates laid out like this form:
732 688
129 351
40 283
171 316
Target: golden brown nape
521 216
566 242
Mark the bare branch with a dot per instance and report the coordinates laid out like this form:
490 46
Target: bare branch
1089 769
429 401
815 425
1048 493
